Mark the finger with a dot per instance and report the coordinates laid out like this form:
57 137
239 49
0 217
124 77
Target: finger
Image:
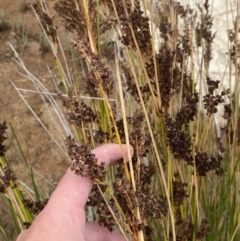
95 232
74 190
70 196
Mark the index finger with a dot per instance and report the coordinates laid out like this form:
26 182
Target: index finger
74 190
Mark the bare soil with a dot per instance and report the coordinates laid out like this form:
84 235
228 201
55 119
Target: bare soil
46 158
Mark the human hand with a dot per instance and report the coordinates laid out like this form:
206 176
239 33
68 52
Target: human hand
63 218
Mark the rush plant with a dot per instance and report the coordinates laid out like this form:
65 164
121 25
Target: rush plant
182 182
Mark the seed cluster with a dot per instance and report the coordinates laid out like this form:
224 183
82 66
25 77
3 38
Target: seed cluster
178 140
134 21
210 100
150 205
8 179
77 112
46 20
204 163
83 162
132 89
73 16
100 75
204 34
3 128
127 200
35 207
138 139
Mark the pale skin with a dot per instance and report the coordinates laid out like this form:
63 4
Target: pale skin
63 218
